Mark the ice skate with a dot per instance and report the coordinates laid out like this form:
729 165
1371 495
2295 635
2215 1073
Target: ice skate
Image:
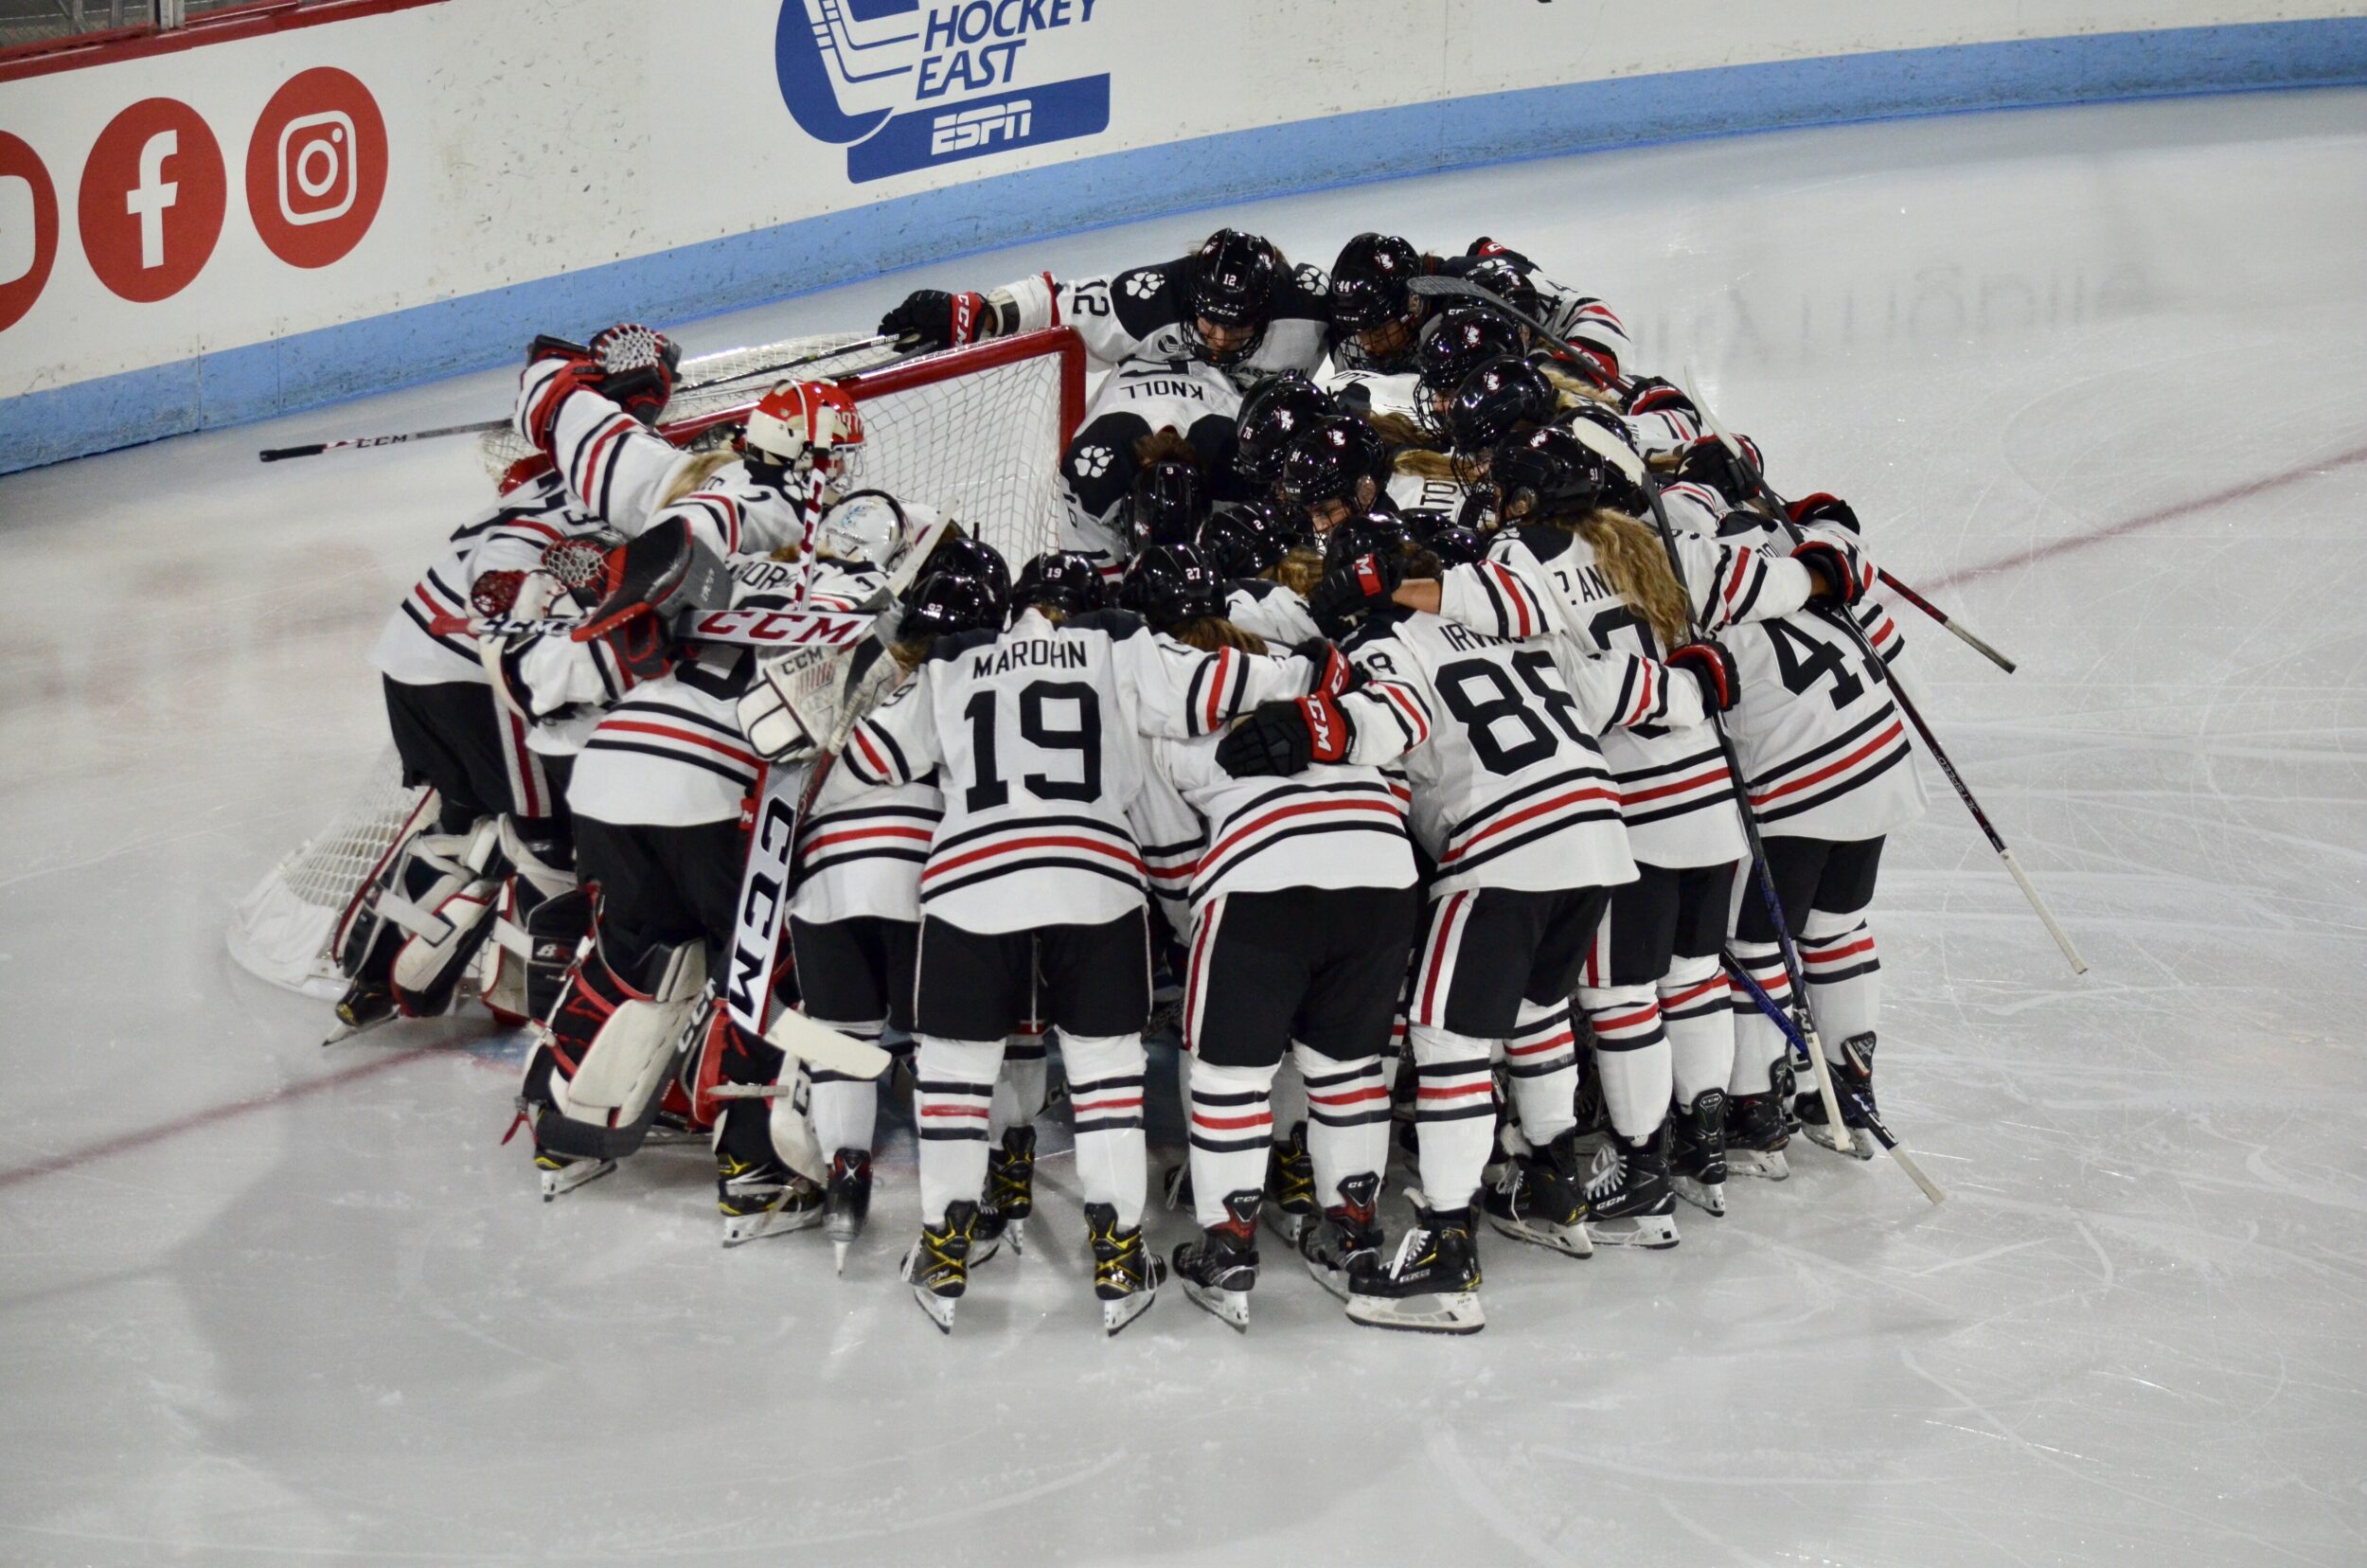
1010 1188
1431 1285
1219 1270
1854 1088
365 1005
1756 1138
1542 1199
938 1265
1347 1238
847 1202
1290 1185
1696 1152
1126 1276
1628 1203
763 1198
560 1173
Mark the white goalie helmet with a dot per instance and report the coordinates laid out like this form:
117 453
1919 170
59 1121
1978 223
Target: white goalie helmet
802 424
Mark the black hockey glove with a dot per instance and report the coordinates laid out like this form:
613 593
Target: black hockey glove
1714 668
1842 575
1353 586
1822 507
1280 739
1334 674
1483 247
931 318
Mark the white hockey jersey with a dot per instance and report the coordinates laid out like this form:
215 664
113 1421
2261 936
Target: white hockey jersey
1039 736
1364 392
1272 610
1165 394
1334 826
1512 790
1676 793
513 538
860 848
1143 314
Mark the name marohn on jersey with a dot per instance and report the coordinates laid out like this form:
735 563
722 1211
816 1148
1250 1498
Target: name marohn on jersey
1021 656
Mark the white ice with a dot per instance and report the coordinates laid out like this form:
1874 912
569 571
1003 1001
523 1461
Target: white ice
252 1311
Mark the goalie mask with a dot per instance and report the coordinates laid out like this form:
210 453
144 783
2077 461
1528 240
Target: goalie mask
867 528
801 427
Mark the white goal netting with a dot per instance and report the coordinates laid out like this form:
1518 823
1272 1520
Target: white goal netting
976 432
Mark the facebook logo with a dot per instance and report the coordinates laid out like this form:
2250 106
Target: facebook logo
876 76
149 200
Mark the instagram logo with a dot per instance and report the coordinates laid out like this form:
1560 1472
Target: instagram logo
316 181
28 228
317 167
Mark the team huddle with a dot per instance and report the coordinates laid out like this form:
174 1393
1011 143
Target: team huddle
1425 721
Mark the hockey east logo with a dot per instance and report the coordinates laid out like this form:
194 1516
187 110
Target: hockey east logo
904 84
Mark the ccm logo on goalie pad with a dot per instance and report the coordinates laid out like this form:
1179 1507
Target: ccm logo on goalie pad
761 899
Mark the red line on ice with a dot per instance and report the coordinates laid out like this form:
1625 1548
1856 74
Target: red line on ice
125 1142
2146 520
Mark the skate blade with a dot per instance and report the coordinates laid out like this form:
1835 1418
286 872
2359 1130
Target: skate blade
1456 1314
940 1309
1334 1280
1230 1307
983 1247
1822 1137
740 1229
1015 1232
838 1255
1657 1232
662 1136
1708 1199
573 1175
1568 1240
1288 1225
1116 1314
1766 1164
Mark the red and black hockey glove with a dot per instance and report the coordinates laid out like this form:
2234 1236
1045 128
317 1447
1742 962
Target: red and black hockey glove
1280 739
1711 665
1842 575
578 370
646 575
640 362
1484 246
1658 395
1353 586
493 593
1822 507
1334 674
931 318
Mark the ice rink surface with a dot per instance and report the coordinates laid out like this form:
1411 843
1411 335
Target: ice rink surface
2095 376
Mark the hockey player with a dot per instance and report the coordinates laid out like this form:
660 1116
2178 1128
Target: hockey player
1302 909
1582 320
1375 317
1234 304
499 809
1273 414
1269 560
1036 733
1331 471
1145 411
1515 807
1166 494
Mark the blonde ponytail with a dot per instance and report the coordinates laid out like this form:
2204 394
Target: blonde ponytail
1635 564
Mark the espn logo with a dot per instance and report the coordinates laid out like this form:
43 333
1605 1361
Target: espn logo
980 127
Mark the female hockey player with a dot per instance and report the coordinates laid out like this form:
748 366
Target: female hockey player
1515 807
1035 874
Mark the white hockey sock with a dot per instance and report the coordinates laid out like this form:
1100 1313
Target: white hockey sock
1454 1114
1347 1119
1105 1088
955 1081
1696 1010
1844 977
1541 1065
1018 1088
1231 1132
1288 1095
1630 1054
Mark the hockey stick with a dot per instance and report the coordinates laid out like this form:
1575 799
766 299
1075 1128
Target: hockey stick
1848 623
1463 288
314 449
1795 973
1873 1119
1725 439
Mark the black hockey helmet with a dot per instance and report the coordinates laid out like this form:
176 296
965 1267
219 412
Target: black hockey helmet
1507 282
1232 285
1167 584
954 598
1377 533
1624 473
1326 462
1274 411
1466 337
1494 400
1546 473
1370 290
1707 462
1168 501
1246 539
1060 579
1455 545
961 553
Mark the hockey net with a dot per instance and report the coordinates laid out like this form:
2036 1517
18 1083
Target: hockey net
974 432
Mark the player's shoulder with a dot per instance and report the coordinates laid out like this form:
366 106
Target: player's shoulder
955 644
1118 625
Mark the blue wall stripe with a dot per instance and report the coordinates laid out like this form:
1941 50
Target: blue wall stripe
471 331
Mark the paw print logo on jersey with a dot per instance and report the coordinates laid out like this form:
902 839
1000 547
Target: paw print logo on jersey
1141 285
1093 462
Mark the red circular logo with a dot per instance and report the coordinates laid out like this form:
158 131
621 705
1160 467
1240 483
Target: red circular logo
317 167
151 208
28 228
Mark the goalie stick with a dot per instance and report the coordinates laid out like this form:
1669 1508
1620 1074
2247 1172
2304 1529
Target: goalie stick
352 443
1873 1122
1848 623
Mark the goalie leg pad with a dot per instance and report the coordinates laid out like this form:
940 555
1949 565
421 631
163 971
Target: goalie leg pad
442 899
362 943
543 871
612 1048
